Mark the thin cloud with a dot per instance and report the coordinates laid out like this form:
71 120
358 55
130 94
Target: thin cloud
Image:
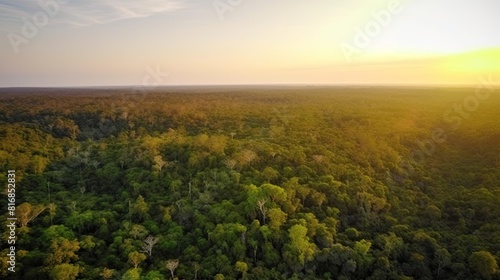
77 13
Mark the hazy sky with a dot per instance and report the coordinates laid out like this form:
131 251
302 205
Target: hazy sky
131 42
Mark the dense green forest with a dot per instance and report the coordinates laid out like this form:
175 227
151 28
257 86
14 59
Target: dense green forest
252 183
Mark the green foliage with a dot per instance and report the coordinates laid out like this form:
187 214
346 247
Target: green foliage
483 263
276 218
300 250
62 251
65 272
362 247
132 274
135 258
316 183
140 208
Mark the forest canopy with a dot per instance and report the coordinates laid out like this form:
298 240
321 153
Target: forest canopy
252 183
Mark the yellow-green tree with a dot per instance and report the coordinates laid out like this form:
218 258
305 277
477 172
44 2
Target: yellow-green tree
483 263
135 258
132 274
62 251
107 273
243 268
26 212
140 207
65 271
300 250
276 218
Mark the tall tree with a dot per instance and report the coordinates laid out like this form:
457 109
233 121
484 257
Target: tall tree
149 243
140 207
26 212
299 250
135 258
172 266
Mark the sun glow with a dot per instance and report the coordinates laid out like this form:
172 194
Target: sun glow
483 61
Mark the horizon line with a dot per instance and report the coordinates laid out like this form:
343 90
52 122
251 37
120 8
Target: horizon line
466 85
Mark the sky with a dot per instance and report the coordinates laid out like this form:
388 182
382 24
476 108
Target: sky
211 42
